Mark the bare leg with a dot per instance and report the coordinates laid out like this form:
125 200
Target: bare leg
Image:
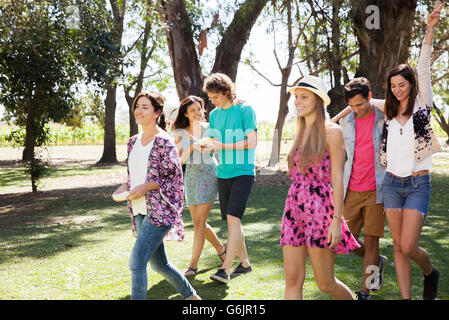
413 222
295 271
360 251
202 230
405 227
235 244
401 262
322 261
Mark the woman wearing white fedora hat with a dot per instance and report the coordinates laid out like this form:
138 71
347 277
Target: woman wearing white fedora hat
312 221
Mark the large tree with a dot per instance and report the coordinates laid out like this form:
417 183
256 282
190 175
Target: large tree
384 32
38 70
118 8
187 70
315 42
145 56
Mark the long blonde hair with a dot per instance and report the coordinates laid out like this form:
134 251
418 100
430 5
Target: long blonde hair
315 146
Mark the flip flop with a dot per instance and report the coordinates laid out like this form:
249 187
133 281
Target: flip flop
224 252
190 272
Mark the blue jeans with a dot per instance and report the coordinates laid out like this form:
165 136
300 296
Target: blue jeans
149 247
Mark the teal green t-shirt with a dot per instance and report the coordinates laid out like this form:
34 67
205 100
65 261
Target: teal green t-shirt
229 126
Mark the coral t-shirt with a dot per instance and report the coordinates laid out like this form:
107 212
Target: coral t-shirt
363 174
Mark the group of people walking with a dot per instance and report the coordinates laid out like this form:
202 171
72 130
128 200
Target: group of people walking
345 178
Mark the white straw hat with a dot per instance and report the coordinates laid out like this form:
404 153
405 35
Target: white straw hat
315 85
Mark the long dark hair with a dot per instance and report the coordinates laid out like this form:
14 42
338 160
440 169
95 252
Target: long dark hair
157 101
181 121
391 103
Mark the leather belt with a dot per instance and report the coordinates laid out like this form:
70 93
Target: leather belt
414 174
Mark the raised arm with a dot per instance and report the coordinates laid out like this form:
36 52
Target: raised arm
423 69
432 21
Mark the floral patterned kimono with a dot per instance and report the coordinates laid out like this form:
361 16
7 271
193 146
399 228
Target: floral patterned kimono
164 206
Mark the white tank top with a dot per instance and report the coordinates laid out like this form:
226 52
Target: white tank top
138 166
400 150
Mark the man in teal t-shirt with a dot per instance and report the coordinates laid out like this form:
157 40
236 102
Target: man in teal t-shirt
230 126
234 130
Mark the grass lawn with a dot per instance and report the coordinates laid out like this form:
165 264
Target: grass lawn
75 244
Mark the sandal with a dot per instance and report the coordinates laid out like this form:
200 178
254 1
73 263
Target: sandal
224 252
190 272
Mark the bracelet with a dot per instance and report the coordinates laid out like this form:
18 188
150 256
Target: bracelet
339 218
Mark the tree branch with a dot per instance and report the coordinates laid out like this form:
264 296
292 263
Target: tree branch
260 74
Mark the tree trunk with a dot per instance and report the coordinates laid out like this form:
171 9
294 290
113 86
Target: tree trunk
184 59
278 128
284 93
133 127
145 55
30 135
441 120
386 46
110 104
228 52
109 146
337 92
186 67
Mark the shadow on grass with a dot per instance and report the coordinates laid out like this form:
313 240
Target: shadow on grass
163 290
13 175
44 226
266 205
50 222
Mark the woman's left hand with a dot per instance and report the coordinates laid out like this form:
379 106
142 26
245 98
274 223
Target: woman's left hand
138 192
334 234
434 17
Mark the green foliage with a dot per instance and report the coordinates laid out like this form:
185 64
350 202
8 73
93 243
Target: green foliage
96 55
98 51
88 109
150 53
37 63
88 133
39 71
36 169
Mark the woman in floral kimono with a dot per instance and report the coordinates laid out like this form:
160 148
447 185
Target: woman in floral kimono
155 199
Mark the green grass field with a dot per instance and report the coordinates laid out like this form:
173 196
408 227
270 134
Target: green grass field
75 244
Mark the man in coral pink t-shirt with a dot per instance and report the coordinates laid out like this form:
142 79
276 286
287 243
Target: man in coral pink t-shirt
363 176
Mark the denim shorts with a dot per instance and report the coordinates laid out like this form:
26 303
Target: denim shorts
407 193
